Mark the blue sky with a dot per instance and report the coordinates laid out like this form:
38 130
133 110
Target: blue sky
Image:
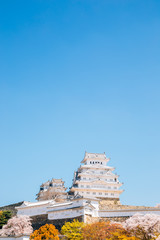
76 76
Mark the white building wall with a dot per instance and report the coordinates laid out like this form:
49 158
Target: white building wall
72 213
94 194
79 207
15 238
93 203
32 211
72 210
128 213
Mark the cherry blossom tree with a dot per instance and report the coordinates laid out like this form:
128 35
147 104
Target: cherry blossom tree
17 226
145 227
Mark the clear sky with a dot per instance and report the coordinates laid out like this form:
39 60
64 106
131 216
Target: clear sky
76 76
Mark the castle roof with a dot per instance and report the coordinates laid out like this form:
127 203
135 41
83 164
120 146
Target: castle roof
34 204
95 156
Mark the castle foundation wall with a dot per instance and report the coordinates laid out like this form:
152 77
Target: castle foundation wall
40 220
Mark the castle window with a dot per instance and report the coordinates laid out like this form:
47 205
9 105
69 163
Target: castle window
41 189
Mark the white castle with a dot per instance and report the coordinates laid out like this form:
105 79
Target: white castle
95 178
94 195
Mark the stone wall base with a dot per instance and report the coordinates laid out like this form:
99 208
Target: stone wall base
90 219
113 219
40 220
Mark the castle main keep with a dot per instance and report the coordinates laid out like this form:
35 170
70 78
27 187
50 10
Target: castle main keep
94 178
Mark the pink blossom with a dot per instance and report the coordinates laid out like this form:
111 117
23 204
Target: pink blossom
17 226
143 226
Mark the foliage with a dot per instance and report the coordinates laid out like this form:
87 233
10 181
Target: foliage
121 235
100 230
17 226
47 232
4 217
144 227
73 230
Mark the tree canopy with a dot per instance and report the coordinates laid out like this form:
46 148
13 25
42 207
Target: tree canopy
4 217
17 226
47 232
144 227
100 230
73 230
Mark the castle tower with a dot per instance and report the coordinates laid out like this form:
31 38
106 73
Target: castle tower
95 179
53 189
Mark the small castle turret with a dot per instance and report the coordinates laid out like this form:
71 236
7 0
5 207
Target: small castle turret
53 189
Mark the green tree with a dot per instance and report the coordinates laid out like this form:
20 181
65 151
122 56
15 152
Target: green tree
73 230
4 217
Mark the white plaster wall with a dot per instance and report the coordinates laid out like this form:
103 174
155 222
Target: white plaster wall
82 202
126 213
92 212
116 195
78 203
72 204
95 204
72 213
15 238
33 211
59 207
